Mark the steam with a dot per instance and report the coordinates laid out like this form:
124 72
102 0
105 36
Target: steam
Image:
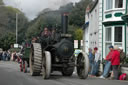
31 8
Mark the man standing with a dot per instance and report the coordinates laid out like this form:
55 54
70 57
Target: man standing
115 61
108 63
122 55
91 59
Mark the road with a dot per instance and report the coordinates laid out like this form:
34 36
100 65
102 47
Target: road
10 75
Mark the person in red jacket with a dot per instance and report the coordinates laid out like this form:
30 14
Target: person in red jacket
115 61
107 66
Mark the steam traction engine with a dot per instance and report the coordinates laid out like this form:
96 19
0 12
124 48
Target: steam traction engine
56 53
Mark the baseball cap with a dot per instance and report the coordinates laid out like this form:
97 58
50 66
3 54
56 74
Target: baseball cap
111 46
95 48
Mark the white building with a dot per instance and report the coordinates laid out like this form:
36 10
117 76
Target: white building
104 25
93 26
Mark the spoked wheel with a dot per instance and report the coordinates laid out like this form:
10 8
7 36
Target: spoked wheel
25 65
82 66
35 60
46 65
67 71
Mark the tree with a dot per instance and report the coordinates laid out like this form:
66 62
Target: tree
77 15
7 40
8 25
78 34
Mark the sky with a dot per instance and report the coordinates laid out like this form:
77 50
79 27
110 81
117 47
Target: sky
31 8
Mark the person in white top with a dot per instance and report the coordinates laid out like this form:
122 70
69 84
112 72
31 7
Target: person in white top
96 62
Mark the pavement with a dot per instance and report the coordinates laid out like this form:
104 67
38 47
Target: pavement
10 75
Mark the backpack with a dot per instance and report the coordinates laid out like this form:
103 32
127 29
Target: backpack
123 76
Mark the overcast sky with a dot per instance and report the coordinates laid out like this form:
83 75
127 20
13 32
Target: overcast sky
31 8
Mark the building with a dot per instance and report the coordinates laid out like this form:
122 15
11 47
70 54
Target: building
104 25
93 26
125 18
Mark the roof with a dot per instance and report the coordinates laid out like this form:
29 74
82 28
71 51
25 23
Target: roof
93 5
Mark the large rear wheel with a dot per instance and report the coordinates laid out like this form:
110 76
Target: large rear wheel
35 60
46 65
82 66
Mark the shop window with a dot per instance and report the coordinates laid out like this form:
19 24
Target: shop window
113 36
109 4
118 3
107 48
118 34
108 34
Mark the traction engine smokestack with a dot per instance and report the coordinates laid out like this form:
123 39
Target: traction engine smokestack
64 23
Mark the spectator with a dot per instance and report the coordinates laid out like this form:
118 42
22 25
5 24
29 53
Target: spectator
0 55
92 66
115 61
4 56
8 55
108 63
122 55
91 59
96 64
14 56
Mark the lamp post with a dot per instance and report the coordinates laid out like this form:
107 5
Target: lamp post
16 28
17 5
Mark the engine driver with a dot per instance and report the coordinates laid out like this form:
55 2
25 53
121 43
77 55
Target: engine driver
45 37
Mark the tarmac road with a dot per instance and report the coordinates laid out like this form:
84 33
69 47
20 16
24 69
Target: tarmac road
10 75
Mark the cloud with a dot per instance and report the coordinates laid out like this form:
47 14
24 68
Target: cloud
31 8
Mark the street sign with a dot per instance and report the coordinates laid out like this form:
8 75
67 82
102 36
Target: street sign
16 45
75 43
81 42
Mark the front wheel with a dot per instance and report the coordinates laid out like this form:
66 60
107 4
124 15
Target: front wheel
46 65
82 66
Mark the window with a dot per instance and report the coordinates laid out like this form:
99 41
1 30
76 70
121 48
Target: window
109 4
113 36
118 3
118 34
108 39
108 34
107 48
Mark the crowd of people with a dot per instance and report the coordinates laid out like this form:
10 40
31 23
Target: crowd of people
113 61
5 55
